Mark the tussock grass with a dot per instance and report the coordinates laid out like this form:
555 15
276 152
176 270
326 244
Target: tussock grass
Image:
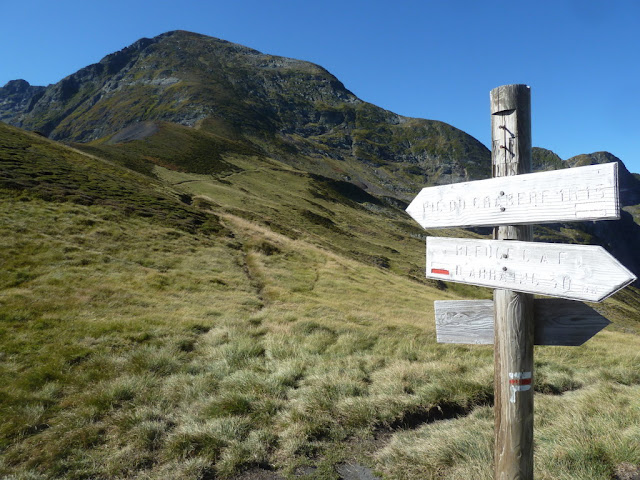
163 349
131 347
587 434
457 449
598 428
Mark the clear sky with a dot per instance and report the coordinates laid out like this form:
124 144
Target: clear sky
423 58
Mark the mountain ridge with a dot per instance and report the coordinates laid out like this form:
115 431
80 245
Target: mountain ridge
285 107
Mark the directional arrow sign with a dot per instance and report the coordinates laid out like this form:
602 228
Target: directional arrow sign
568 195
578 272
557 322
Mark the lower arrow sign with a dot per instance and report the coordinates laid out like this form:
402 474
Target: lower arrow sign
577 272
557 322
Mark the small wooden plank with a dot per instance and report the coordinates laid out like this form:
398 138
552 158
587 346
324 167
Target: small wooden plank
556 322
575 272
464 321
568 195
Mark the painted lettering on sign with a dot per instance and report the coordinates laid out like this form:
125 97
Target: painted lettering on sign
453 203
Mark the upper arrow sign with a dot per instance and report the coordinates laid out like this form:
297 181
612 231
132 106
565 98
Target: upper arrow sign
575 194
576 272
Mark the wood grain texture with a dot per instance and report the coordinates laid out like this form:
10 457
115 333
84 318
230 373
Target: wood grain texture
513 319
569 195
557 322
564 322
464 321
510 97
513 354
577 272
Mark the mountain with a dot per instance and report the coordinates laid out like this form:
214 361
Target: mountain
289 108
187 102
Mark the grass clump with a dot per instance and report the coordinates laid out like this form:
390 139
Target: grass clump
459 449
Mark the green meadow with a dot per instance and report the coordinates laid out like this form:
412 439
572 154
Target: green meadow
259 320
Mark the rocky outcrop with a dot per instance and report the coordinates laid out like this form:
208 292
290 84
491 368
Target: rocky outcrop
17 98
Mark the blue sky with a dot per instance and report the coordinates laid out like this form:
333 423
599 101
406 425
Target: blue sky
429 59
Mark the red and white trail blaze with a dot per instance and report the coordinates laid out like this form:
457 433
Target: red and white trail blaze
519 382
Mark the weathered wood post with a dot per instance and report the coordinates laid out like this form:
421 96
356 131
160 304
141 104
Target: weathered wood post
513 321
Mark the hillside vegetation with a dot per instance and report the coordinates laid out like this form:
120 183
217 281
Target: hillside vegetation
258 321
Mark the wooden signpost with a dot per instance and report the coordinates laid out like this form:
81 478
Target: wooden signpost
517 267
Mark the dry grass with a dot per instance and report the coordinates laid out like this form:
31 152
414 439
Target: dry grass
133 348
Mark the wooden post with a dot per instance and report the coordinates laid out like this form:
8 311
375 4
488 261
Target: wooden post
513 322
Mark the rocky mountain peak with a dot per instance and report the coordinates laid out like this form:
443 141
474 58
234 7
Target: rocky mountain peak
181 77
18 97
16 86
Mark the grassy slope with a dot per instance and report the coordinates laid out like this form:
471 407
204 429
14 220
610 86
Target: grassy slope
331 213
188 344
